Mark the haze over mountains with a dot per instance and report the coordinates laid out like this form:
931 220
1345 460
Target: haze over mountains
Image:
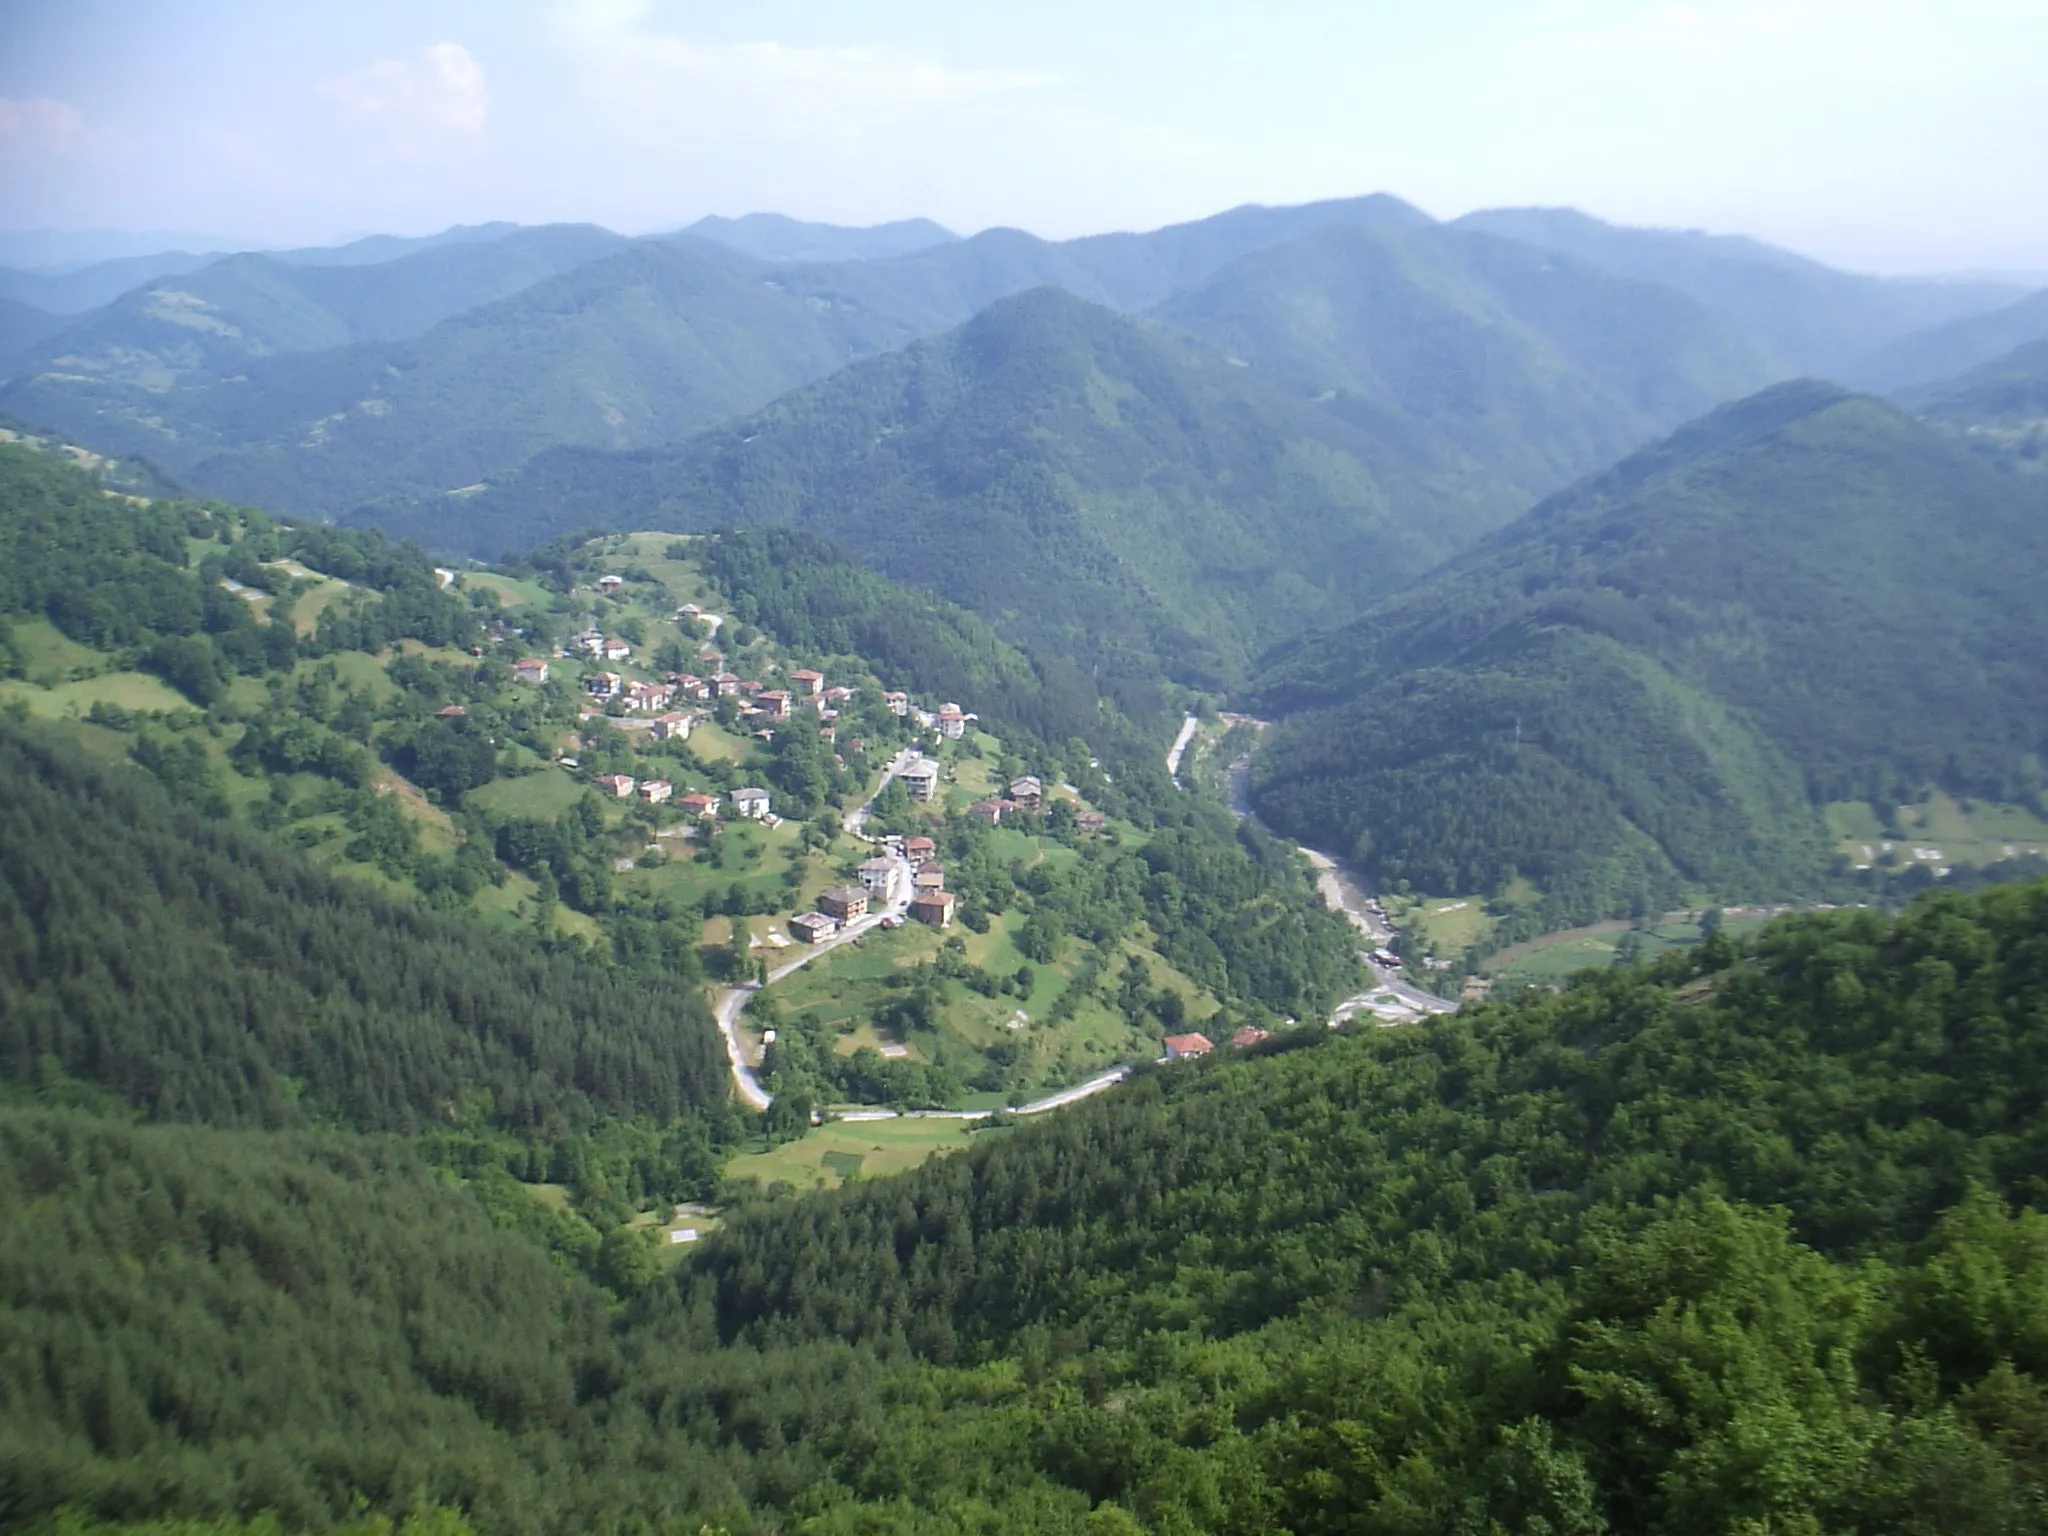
641 355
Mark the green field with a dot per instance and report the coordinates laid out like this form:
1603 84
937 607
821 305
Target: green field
545 794
136 691
1555 957
1940 831
832 1153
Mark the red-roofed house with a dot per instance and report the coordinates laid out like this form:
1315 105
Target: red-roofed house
620 784
807 681
1181 1047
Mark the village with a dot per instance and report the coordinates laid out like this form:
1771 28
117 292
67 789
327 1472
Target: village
872 857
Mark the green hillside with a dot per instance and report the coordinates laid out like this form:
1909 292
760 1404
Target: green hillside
1925 359
1748 1241
1536 368
1646 687
1100 488
639 347
1998 409
182 966
191 327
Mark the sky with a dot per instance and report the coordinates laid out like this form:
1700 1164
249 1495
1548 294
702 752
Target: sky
1882 135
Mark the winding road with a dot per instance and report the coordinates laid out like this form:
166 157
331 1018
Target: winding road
733 1001
1345 891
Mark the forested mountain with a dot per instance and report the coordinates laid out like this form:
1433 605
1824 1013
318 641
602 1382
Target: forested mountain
1999 409
73 291
1808 318
1747 1241
195 325
640 347
941 287
1097 486
181 966
1536 368
1382 395
1645 686
777 237
21 327
1940 352
1529 370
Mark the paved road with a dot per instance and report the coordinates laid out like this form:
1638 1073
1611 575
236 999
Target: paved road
1344 891
733 1001
1059 1100
1180 746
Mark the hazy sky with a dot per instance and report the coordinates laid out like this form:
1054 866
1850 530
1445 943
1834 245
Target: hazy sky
1885 134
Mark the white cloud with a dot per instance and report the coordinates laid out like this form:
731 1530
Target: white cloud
830 96
439 100
38 127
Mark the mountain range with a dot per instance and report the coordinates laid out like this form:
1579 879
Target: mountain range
169 369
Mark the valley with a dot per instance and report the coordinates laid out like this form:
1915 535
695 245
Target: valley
1316 870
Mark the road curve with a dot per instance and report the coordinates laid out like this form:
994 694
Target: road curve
1175 752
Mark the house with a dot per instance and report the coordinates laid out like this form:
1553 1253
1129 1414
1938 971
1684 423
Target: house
1251 1034
689 685
1028 792
838 695
620 784
1182 1047
450 712
752 803
899 704
918 849
673 726
774 703
654 791
618 650
952 722
807 682
749 688
589 641
531 670
990 811
845 902
603 685
699 804
726 685
934 907
878 878
813 926
921 778
648 696
608 584
1089 821
689 611
930 878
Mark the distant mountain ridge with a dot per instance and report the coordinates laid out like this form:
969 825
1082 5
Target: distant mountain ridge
777 237
1814 319
332 380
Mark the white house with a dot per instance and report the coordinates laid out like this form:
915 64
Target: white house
750 802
